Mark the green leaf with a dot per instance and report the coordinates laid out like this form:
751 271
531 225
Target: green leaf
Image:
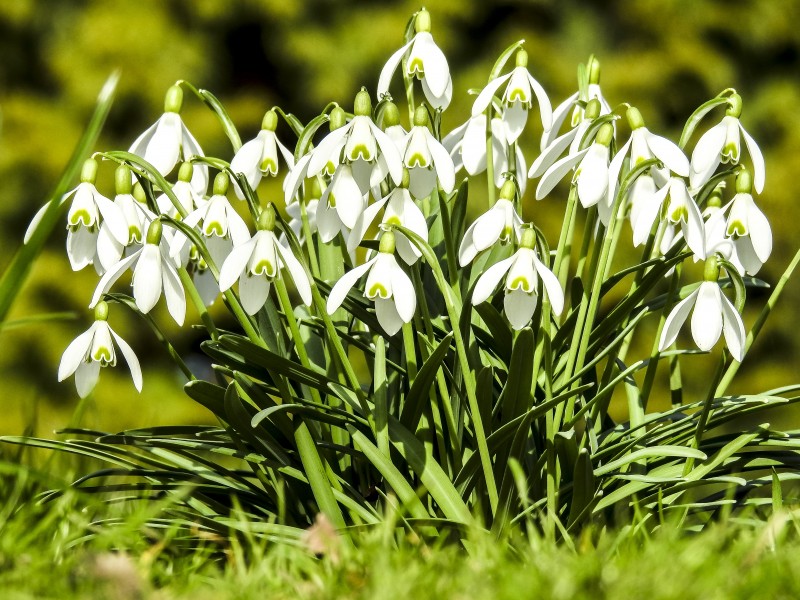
694 119
419 393
657 452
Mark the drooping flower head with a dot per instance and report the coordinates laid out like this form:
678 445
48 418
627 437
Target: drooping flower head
426 159
500 223
747 227
93 349
423 60
187 197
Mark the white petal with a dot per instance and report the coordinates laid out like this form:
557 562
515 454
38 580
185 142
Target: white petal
519 306
298 274
760 231
677 317
173 292
191 148
109 250
514 119
330 145
294 179
37 218
733 329
484 99
437 73
405 298
363 223
647 209
545 109
390 154
253 292
489 227
75 353
551 285
467 251
234 264
111 276
707 316
247 161
694 230
206 286
438 102
389 68
139 146
113 217
559 116
668 153
708 148
759 169
81 247
147 278
347 281
614 170
557 172
86 377
488 281
347 194
328 222
473 146
163 149
422 182
551 153
286 153
130 358
445 169
387 314
413 218
593 175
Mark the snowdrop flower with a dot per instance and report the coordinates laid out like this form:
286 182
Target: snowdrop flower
387 285
501 222
94 349
295 212
84 218
341 204
467 145
258 262
153 271
677 206
392 127
425 61
712 315
517 98
294 179
426 159
722 143
522 272
591 173
168 140
747 227
259 156
133 205
400 209
187 197
219 223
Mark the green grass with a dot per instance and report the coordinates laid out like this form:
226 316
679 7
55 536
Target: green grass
79 547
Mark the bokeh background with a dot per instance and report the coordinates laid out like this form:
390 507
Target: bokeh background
665 56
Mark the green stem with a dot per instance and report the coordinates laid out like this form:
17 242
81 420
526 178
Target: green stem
490 158
199 305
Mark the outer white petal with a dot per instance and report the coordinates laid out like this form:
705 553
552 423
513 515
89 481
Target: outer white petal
206 285
139 146
113 217
164 146
614 170
345 283
442 101
545 109
473 145
388 317
294 179
413 218
557 172
111 276
173 292
75 353
298 274
330 144
484 99
647 209
759 169
363 223
489 227
668 153
253 292
437 73
559 116
551 285
708 148
109 250
707 316
593 175
677 317
445 169
348 196
247 161
389 68
514 119
328 222
286 153
467 251
37 218
519 306
694 231
130 358
733 329
235 264
422 182
81 247
393 159
760 231
488 281
551 153
405 298
147 278
86 377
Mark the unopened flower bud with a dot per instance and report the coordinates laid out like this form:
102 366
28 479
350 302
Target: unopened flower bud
528 238
711 270
605 134
185 172
138 193
173 101
89 171
221 182
391 115
592 109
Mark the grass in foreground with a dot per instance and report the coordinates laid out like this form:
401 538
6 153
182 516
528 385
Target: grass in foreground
73 547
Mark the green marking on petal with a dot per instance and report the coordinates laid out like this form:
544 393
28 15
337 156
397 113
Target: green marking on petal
360 151
507 234
270 166
213 228
415 67
393 220
330 168
332 200
521 283
264 267
80 217
104 356
417 160
736 229
730 152
518 94
679 213
134 234
377 289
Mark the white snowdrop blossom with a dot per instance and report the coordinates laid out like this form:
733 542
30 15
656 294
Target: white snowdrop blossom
258 262
340 205
467 146
153 271
517 99
93 349
592 170
219 223
400 209
722 143
500 223
186 195
677 206
426 159
425 61
712 315
387 286
259 156
137 219
747 227
522 272
168 140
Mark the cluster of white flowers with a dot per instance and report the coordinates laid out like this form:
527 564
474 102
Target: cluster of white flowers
369 164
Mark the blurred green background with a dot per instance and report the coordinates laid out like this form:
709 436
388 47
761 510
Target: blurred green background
664 56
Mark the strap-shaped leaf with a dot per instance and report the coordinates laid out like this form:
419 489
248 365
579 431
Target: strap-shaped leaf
419 393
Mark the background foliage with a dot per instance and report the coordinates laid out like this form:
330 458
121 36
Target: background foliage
664 56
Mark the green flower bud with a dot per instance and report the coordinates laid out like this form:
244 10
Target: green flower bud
387 243
528 238
421 117
173 101
138 193
221 182
594 70
734 106
522 58
744 182
266 220
423 21
592 110
711 270
338 118
391 115
270 121
154 232
101 311
185 172
635 119
122 180
605 134
508 191
89 171
362 107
